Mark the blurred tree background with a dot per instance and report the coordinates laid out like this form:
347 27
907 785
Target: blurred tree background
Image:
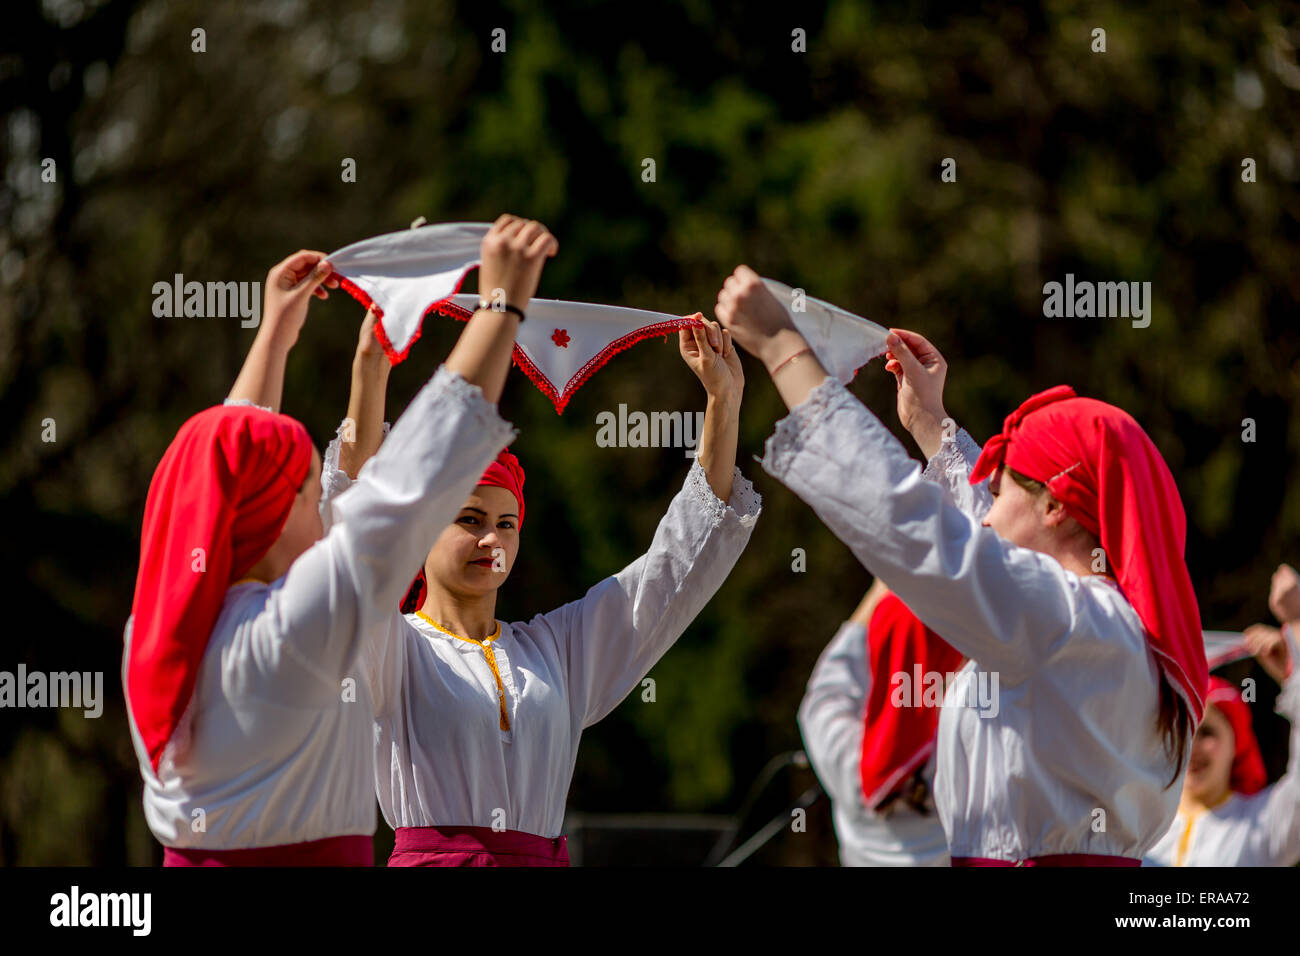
820 168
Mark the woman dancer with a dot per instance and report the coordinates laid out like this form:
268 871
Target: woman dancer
1070 596
246 621
872 746
478 721
1229 814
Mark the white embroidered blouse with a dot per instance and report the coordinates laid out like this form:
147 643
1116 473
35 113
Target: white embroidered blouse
470 734
1065 756
1259 829
831 722
274 748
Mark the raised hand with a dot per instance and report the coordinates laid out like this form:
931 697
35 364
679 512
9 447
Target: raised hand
369 349
1269 648
510 263
511 259
757 321
290 286
709 352
370 368
1284 594
919 372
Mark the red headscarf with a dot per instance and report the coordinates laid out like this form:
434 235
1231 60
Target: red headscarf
505 472
218 501
897 740
1248 775
1099 463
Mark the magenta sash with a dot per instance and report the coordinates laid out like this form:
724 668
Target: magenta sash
331 851
476 846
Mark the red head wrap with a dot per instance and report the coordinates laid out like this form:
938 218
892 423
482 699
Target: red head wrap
505 472
218 501
1099 463
1248 775
898 740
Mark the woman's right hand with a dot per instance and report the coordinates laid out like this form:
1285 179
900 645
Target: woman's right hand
919 371
511 259
1268 646
370 352
1284 594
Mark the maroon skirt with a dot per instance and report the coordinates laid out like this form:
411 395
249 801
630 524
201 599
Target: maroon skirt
331 851
1055 859
476 846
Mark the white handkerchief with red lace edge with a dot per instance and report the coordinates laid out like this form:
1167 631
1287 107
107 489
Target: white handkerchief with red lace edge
404 275
562 344
408 274
843 342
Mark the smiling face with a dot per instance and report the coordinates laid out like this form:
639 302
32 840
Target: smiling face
475 553
1210 768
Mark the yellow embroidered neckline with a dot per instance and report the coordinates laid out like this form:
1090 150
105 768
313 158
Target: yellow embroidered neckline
491 637
488 655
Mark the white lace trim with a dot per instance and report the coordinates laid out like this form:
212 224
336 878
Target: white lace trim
788 438
334 480
248 402
745 502
463 392
330 464
956 457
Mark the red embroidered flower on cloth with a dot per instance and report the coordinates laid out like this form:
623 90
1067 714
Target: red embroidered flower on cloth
560 338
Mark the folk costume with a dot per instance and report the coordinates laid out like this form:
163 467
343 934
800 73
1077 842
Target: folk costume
254 746
475 742
1068 766
870 745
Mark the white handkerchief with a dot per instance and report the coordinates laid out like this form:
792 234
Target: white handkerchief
404 274
411 273
843 342
1224 647
562 344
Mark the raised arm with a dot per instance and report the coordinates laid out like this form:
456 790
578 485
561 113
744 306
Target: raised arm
290 286
708 351
1278 822
413 487
613 636
1004 606
363 428
514 251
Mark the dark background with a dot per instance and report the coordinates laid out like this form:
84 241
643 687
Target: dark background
820 169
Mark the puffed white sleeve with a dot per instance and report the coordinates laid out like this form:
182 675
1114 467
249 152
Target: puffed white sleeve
1004 606
1279 817
611 637
832 710
305 640
951 467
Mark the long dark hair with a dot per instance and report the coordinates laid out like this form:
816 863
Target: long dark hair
1173 720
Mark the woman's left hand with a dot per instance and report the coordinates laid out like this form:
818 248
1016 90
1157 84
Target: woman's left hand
708 350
